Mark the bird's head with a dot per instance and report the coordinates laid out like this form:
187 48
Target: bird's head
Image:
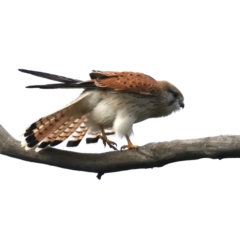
173 98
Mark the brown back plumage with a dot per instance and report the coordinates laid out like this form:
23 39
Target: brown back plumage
127 82
134 82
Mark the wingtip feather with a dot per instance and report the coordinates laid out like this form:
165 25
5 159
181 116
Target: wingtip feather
24 70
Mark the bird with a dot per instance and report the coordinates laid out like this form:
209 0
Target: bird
111 102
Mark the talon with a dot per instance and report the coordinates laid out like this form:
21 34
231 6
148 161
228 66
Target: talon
129 147
108 142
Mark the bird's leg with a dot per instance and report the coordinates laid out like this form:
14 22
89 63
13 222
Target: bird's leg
106 140
130 145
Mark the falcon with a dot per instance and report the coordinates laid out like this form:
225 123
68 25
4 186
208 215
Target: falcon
110 101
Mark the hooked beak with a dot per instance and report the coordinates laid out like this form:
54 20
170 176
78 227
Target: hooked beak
181 104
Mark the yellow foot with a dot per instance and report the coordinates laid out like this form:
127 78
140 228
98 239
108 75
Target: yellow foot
129 146
106 141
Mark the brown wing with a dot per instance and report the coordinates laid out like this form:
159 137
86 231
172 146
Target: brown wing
127 82
119 81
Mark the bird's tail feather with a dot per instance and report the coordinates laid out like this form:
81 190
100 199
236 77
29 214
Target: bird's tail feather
46 126
56 127
78 134
61 134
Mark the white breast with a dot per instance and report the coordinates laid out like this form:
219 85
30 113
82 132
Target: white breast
116 110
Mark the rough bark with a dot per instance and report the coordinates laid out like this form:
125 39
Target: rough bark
147 156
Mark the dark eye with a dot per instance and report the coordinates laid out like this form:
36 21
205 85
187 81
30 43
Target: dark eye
174 94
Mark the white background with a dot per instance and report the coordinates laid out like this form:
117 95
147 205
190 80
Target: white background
193 44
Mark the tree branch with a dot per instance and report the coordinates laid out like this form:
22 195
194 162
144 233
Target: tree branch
147 156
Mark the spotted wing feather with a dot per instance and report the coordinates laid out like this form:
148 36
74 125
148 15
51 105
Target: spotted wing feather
129 82
120 81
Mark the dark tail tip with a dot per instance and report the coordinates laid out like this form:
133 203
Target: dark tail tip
32 144
92 140
73 143
43 144
55 143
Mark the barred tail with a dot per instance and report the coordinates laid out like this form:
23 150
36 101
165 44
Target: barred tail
51 126
78 134
53 129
